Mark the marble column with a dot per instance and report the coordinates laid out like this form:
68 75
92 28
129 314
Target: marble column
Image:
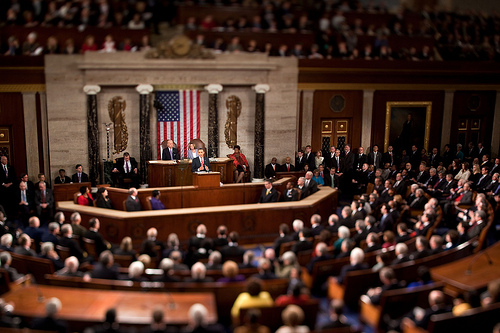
366 127
259 139
447 114
31 135
144 129
93 133
213 119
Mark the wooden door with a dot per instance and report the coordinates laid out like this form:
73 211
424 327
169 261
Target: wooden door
334 132
469 130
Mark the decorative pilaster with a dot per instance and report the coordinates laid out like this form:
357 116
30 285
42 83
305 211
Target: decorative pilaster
213 120
93 133
260 106
144 131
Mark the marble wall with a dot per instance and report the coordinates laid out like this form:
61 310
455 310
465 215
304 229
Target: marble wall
119 73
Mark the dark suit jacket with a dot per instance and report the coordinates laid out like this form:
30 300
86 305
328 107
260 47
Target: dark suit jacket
11 175
197 163
312 188
85 177
310 161
269 172
100 244
339 167
285 169
292 196
102 272
419 204
386 158
132 205
302 246
73 246
58 180
120 165
232 251
400 188
328 180
49 197
29 199
483 183
348 162
359 160
377 162
166 154
271 197
21 250
299 163
349 268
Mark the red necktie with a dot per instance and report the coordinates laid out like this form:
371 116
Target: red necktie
288 167
201 160
43 196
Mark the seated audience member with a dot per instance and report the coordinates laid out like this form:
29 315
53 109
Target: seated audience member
345 248
303 244
336 318
297 296
389 239
271 169
6 243
62 178
268 194
422 250
291 194
437 305
460 305
170 153
248 258
67 241
283 267
372 242
126 168
5 261
221 239
346 217
79 176
110 324
403 234
156 204
173 244
85 197
33 230
356 263
50 323
93 233
192 152
232 249
44 201
436 244
265 270
214 261
77 229
491 295
200 163
102 199
126 249
321 254
230 272
401 251
317 178
251 324
151 245
196 240
158 324
333 223
292 317
253 297
145 259
167 265
423 277
198 274
132 203
383 260
240 163
310 185
105 268
176 257
25 203
24 246
135 270
343 233
70 268
389 282
47 252
198 315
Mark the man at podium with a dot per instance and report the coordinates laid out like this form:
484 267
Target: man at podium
200 163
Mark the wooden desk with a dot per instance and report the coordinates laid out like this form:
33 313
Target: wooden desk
457 280
64 192
85 307
172 173
206 179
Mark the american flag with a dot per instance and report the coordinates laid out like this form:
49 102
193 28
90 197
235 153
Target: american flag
179 120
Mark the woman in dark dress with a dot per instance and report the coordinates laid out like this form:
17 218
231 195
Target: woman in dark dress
102 199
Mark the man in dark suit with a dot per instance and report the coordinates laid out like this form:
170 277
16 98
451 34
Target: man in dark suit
484 181
415 157
356 263
284 237
329 158
8 179
303 244
101 245
170 153
271 169
105 268
332 179
288 166
300 161
389 157
44 201
310 184
126 168
132 203
232 249
359 159
338 162
310 158
200 163
62 178
434 158
269 194
419 201
399 185
386 221
67 241
24 246
79 176
291 194
348 159
375 157
25 202
30 187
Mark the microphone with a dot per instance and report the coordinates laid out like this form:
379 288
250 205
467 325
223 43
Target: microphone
468 271
40 297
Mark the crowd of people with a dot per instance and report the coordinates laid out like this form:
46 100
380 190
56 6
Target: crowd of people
452 35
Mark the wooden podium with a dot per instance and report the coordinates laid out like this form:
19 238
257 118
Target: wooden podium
206 179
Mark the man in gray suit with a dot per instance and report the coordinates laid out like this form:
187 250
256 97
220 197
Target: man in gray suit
132 204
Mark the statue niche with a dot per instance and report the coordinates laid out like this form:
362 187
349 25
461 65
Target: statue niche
116 109
233 105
